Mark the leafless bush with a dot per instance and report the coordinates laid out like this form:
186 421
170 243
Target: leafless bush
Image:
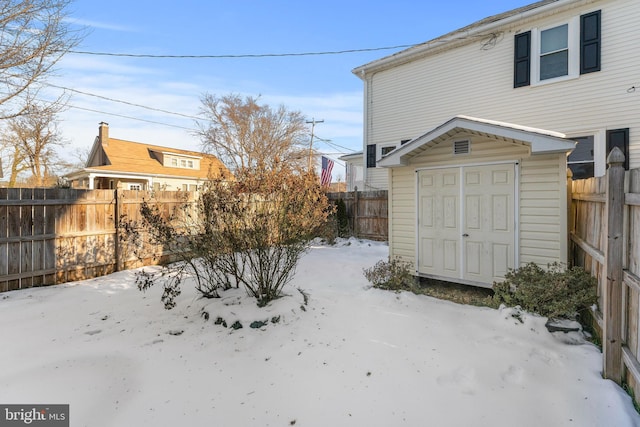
250 231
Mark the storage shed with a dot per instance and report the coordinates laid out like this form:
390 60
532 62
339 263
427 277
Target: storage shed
473 198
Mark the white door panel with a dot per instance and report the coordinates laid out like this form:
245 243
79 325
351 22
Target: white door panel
474 241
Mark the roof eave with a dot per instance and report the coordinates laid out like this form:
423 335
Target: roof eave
539 140
470 30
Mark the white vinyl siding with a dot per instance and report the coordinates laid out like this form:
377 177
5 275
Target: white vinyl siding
543 210
402 214
413 98
377 179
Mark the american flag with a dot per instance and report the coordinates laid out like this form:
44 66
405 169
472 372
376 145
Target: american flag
327 166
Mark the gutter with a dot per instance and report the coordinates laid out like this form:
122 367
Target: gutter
425 48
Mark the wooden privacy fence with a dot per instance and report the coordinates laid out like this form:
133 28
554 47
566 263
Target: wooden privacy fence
50 236
367 212
605 240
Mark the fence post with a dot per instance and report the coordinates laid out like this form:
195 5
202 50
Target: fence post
116 222
570 219
355 212
612 298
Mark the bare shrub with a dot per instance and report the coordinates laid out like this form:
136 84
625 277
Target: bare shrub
393 275
250 231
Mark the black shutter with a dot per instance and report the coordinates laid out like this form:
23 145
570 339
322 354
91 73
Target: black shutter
522 60
590 33
619 138
371 155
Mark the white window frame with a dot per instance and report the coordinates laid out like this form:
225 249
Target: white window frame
380 147
573 45
599 149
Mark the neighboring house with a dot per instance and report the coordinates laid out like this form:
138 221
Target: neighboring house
116 163
470 132
354 171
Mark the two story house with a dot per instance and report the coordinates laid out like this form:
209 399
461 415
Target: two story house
117 163
472 133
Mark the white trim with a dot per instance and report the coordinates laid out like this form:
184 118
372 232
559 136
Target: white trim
573 47
454 37
489 163
599 148
380 146
516 213
416 203
171 153
461 215
540 141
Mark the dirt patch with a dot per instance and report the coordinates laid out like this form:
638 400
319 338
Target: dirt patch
455 292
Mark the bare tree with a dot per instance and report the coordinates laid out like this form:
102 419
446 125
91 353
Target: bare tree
14 161
31 140
246 135
34 35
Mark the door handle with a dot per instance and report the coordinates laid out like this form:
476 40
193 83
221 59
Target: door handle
465 235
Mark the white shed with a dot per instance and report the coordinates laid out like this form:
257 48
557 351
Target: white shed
473 198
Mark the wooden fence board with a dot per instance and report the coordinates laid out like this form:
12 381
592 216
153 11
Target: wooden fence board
50 236
591 237
367 212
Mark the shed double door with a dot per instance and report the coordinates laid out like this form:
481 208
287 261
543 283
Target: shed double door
466 225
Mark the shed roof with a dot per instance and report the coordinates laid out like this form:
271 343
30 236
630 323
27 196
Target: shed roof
540 141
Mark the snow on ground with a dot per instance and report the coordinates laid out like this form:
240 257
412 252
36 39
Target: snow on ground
354 356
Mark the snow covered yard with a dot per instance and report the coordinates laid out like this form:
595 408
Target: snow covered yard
352 356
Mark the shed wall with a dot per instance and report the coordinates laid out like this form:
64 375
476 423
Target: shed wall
541 207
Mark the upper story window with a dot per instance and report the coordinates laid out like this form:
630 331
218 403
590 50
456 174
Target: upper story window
177 162
554 52
558 52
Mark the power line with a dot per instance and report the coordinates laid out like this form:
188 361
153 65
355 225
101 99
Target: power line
124 102
334 145
119 115
258 55
131 118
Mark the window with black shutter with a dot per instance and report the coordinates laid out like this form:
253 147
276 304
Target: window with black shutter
371 155
559 52
619 138
590 42
522 60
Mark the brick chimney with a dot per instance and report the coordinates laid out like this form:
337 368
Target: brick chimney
103 133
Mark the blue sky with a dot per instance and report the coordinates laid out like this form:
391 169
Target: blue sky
320 86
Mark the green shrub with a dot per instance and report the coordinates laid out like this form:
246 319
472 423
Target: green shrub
393 275
342 219
556 292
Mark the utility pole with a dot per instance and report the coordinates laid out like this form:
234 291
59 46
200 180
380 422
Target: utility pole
312 122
